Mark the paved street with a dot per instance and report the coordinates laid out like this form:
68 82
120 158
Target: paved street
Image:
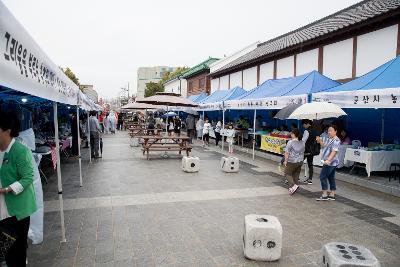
134 212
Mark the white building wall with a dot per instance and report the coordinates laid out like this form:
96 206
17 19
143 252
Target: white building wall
285 67
236 80
177 87
250 78
375 48
224 82
338 60
266 71
214 85
306 62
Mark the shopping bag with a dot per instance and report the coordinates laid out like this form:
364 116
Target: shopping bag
7 239
211 133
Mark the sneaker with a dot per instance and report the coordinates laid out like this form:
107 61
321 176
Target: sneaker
293 189
331 198
322 198
286 182
309 181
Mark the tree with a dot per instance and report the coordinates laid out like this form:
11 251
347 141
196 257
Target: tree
153 88
71 75
170 75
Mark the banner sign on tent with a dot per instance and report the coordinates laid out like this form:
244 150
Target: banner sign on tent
210 106
26 68
266 103
376 98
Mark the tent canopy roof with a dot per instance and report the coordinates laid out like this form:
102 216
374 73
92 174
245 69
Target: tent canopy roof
197 98
304 84
385 76
224 95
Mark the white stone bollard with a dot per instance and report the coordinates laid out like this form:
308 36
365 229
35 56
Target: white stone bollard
230 164
190 164
337 254
262 238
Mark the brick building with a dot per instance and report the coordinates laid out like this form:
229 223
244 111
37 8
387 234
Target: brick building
197 78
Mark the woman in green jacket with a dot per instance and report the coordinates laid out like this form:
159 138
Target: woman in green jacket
17 197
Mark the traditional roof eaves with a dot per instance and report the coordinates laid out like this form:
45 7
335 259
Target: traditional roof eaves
205 65
341 21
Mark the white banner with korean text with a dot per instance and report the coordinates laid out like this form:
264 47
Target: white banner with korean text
376 98
278 102
26 68
210 106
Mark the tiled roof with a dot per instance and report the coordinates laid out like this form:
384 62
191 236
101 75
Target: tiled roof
205 65
347 17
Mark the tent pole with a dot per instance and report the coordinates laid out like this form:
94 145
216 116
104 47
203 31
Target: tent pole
60 197
88 137
383 126
202 135
223 127
254 132
166 123
79 146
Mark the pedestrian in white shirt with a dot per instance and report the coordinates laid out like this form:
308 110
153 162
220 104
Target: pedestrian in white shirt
206 133
230 134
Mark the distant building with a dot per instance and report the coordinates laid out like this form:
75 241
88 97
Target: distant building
197 78
150 74
88 90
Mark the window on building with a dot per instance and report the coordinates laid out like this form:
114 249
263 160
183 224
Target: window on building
190 86
202 82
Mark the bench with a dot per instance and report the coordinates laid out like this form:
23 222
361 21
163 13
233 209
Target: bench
166 147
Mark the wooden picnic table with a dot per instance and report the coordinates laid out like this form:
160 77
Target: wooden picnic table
165 143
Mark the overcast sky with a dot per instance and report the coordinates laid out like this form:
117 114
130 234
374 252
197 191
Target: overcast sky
104 42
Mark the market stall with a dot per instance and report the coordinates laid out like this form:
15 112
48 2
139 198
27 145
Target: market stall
377 90
29 78
277 94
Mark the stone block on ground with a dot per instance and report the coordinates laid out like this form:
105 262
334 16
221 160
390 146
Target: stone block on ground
338 254
230 164
262 238
190 164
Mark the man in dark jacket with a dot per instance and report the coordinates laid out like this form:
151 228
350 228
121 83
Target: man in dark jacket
310 143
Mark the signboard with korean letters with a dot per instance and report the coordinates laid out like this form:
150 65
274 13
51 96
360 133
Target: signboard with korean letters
26 68
210 106
266 103
376 98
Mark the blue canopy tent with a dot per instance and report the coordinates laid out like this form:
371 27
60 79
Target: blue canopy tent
278 93
197 98
378 89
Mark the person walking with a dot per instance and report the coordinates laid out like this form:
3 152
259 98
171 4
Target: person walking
330 161
206 133
177 126
17 196
94 129
217 131
312 148
294 157
190 126
170 126
74 132
199 127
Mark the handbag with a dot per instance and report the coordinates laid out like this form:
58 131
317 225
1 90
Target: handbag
7 239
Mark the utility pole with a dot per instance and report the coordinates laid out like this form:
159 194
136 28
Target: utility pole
128 91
